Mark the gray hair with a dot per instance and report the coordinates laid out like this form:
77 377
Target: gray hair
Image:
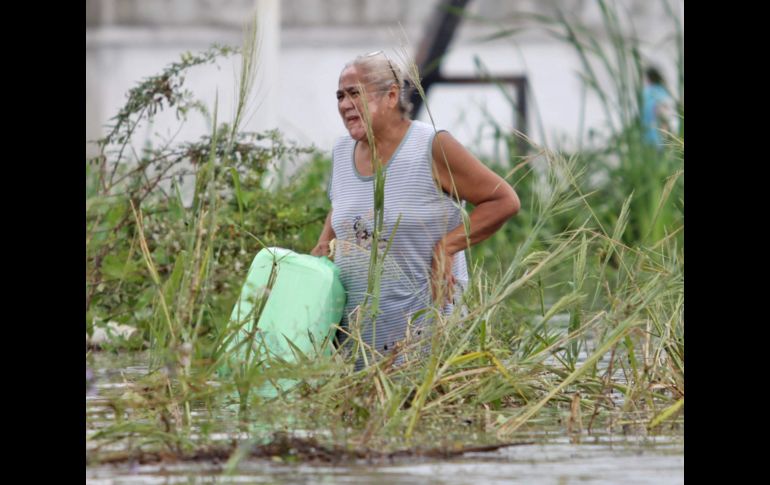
381 72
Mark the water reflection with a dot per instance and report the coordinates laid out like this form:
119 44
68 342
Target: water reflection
599 458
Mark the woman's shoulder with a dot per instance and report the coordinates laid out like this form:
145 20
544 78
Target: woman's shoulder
424 133
430 131
342 145
342 141
426 128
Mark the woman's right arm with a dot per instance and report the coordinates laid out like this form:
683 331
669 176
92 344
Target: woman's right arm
327 234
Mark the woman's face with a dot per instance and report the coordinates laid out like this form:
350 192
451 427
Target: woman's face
350 102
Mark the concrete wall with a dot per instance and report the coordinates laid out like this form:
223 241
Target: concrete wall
346 13
127 40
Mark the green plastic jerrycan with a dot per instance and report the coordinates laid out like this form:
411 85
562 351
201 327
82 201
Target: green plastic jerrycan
301 299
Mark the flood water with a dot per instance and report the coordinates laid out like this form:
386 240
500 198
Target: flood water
553 458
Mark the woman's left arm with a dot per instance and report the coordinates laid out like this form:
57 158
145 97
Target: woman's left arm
463 175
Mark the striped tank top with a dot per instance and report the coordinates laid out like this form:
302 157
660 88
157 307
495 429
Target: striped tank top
423 214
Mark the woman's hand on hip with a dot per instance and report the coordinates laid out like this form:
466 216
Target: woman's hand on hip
442 277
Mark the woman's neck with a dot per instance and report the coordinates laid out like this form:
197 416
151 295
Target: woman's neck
389 137
386 144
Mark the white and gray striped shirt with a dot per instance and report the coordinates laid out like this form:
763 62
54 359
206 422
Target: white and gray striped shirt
424 214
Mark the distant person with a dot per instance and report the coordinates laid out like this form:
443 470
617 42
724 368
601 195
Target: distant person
659 112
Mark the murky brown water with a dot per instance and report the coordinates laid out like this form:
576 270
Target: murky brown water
554 459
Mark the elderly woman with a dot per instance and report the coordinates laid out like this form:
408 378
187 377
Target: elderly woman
427 173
